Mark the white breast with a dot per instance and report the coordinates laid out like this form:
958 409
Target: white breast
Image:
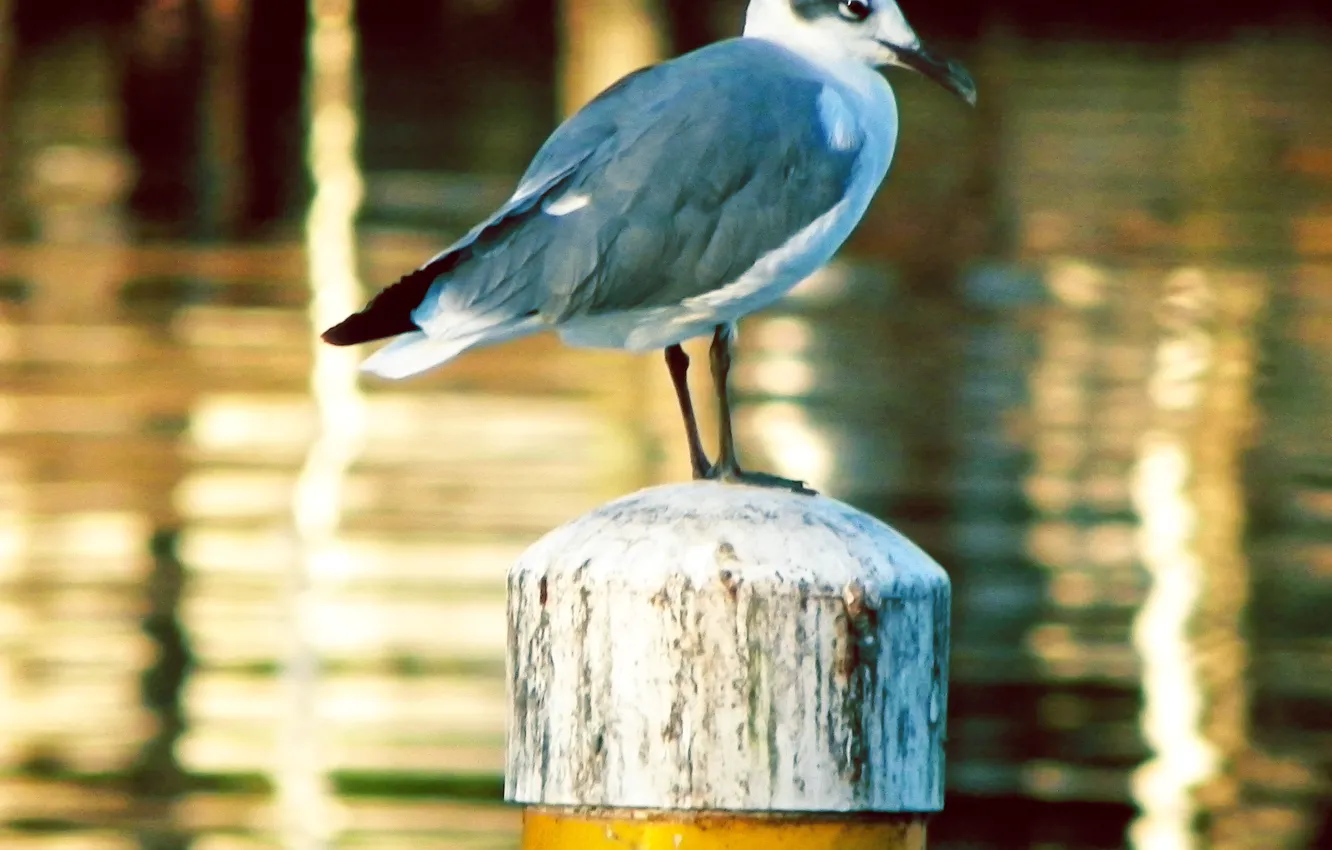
864 99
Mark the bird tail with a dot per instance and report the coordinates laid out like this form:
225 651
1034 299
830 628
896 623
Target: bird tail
416 352
456 301
388 314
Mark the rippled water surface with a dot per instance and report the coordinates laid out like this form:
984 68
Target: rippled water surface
1080 350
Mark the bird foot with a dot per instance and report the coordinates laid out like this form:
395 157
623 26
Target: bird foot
732 474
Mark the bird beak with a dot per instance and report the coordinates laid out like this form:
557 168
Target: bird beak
946 72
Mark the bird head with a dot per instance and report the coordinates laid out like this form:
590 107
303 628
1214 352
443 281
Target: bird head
874 32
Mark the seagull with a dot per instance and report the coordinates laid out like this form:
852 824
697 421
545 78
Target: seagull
685 196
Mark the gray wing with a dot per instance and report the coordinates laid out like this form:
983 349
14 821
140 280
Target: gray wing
692 170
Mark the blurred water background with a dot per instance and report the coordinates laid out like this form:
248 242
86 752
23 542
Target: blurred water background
1081 350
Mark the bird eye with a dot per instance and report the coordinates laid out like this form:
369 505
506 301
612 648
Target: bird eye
855 10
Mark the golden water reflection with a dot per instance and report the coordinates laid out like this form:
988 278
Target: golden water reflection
1188 493
253 600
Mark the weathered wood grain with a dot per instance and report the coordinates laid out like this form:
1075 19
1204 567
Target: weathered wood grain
704 646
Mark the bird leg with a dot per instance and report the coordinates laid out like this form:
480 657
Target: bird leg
727 467
678 364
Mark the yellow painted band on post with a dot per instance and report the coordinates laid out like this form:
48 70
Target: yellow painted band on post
582 829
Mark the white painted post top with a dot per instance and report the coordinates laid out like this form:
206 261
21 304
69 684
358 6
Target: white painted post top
712 646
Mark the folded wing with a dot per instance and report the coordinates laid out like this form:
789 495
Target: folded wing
669 185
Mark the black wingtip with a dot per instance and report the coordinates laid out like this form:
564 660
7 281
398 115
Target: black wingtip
367 326
339 334
389 313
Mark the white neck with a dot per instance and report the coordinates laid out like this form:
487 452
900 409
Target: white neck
775 21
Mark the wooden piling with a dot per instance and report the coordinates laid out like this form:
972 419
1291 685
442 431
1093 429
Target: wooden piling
705 666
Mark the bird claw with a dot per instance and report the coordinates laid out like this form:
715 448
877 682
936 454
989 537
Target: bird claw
731 474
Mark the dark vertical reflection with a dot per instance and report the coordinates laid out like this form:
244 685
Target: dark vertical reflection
272 73
157 777
162 88
1289 473
224 174
8 32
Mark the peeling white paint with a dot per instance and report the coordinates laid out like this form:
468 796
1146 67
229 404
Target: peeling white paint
707 646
